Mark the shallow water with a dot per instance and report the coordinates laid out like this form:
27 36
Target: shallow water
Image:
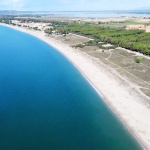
45 103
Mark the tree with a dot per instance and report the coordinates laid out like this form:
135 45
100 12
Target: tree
48 31
35 28
138 59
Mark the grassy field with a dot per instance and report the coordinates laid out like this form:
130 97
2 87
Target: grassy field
118 24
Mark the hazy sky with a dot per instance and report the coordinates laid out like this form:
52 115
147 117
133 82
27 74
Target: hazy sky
73 4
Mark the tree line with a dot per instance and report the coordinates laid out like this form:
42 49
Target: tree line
135 40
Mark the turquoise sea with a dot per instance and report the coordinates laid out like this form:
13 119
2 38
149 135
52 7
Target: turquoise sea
46 104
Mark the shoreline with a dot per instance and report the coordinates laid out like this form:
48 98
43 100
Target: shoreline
132 107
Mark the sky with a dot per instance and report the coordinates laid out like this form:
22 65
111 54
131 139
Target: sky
72 5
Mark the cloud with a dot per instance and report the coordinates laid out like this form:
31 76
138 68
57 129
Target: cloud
73 4
4 2
12 3
18 3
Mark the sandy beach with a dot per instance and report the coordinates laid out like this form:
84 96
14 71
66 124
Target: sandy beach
127 103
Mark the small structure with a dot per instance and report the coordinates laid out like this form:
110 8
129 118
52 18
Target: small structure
107 45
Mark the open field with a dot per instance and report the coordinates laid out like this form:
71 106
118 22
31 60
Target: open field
128 23
119 19
72 39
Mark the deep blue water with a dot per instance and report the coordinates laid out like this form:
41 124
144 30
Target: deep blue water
45 103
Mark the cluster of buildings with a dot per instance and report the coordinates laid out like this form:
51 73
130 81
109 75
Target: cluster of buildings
39 26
